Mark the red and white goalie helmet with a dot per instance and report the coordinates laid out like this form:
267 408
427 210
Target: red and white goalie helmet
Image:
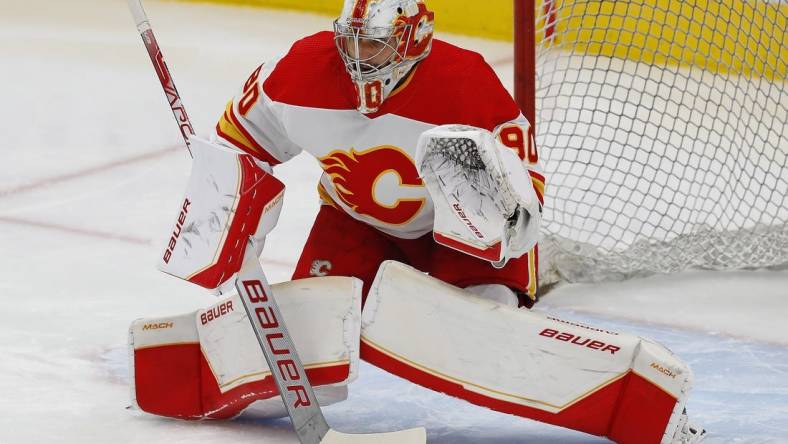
380 41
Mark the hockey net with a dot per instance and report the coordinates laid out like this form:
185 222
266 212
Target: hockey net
663 130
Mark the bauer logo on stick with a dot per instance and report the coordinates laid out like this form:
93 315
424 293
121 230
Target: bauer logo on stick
265 317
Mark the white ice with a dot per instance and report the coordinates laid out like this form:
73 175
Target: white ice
92 171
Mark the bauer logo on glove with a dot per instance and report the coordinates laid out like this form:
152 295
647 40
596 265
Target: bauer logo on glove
485 204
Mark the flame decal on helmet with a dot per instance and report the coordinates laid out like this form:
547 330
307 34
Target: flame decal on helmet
421 30
360 9
355 175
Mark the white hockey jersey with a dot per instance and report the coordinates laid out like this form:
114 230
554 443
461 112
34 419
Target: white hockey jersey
304 101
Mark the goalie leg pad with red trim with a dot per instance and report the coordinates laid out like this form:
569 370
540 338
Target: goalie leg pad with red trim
208 364
522 362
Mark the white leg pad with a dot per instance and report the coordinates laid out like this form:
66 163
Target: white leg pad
521 362
208 363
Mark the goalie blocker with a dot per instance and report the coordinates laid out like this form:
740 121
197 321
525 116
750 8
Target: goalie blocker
230 197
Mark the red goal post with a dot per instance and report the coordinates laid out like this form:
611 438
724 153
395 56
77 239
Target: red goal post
524 58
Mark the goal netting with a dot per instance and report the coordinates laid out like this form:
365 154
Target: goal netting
663 129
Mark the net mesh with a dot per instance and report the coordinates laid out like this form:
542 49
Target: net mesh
457 165
663 131
460 151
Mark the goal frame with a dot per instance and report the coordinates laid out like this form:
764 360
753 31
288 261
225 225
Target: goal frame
525 58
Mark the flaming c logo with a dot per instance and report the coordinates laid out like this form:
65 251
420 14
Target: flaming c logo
355 175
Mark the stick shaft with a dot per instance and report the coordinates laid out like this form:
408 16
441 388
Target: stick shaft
280 353
165 78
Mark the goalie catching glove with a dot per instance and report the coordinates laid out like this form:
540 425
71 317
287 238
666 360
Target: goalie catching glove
485 203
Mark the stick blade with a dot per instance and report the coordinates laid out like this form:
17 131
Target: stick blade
410 436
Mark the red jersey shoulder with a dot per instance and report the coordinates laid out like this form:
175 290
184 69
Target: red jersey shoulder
456 85
311 74
452 85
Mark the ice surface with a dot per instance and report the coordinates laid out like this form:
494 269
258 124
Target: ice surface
91 175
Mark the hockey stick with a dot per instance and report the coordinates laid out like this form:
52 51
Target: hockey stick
157 58
294 387
263 313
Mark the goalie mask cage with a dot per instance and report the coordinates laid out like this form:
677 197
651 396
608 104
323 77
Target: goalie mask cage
663 131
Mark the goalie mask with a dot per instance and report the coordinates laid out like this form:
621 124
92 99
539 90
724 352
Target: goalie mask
379 42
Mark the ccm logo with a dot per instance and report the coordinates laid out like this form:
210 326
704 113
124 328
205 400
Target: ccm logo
460 212
663 370
158 326
177 232
579 340
216 312
266 318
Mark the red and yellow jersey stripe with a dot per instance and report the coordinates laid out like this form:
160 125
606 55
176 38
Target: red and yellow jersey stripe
539 184
231 129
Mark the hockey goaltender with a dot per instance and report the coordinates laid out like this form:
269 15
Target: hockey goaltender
431 201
